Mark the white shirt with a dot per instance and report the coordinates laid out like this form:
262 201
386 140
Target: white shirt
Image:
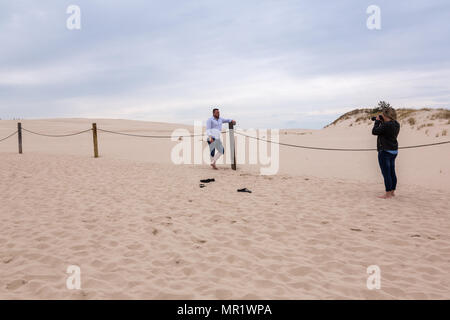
214 126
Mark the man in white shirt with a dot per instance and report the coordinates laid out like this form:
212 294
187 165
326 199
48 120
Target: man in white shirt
213 131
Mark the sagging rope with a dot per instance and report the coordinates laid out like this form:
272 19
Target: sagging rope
12 134
150 136
56 135
237 132
338 149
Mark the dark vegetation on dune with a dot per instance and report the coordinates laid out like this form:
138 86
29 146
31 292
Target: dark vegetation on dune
406 114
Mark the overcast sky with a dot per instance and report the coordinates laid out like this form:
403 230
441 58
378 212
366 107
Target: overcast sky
279 64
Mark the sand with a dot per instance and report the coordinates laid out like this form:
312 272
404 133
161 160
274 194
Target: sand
139 227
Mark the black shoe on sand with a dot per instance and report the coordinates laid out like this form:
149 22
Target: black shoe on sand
244 190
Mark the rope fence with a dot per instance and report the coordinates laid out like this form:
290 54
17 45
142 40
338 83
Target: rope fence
147 136
12 134
56 135
231 131
340 149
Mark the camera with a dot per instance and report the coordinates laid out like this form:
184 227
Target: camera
375 118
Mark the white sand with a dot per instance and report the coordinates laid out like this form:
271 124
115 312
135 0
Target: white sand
140 227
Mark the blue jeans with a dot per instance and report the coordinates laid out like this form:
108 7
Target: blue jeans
387 165
216 144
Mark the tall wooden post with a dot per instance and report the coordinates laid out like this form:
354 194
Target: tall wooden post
19 135
232 149
94 135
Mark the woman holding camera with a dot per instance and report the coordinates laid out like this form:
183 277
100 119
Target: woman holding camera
387 128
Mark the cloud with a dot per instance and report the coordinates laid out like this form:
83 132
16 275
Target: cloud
266 63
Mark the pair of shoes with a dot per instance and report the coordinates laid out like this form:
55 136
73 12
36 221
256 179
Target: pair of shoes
244 190
207 180
202 185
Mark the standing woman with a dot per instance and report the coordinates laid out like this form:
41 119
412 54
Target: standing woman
387 128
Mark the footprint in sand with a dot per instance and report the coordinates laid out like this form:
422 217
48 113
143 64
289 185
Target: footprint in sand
15 284
188 271
223 294
300 271
113 243
7 259
135 246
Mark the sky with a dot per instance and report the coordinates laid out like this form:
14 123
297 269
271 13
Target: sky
266 64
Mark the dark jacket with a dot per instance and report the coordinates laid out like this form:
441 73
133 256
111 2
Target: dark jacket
387 133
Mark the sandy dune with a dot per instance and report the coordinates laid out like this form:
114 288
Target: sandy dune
140 227
426 167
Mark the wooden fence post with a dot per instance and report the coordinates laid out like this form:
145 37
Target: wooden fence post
232 149
19 135
94 135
